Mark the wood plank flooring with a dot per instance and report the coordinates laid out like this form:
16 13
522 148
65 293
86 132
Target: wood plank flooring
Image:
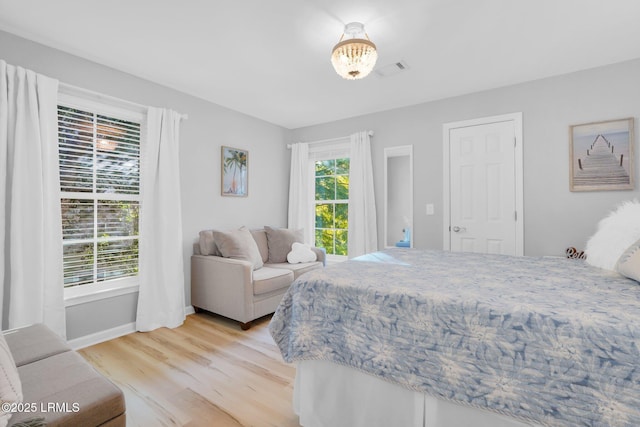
207 372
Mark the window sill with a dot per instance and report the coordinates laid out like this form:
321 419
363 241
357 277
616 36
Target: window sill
94 292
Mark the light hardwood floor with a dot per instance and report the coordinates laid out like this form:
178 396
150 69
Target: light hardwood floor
207 372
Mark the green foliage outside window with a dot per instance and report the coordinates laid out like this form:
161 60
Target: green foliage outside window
115 258
332 196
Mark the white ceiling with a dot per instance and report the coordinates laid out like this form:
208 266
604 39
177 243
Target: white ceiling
270 58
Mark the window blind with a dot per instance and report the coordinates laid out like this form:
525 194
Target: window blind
100 186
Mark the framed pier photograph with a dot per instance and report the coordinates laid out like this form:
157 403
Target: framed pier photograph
601 156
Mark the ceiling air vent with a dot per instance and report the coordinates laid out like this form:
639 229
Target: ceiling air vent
392 69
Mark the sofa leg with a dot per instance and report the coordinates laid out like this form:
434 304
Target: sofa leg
245 326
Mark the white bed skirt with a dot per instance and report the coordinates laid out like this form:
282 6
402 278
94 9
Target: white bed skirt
330 395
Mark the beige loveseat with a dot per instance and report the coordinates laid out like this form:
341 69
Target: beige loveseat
57 383
245 289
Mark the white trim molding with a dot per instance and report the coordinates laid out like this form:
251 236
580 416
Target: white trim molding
398 151
102 336
76 295
110 334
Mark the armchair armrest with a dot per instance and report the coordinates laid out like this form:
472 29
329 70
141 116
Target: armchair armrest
223 286
321 254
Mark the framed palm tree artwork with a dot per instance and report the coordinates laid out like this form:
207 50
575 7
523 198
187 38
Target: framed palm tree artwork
235 168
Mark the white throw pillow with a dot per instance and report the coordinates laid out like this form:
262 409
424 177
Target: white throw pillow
300 252
10 385
629 263
616 232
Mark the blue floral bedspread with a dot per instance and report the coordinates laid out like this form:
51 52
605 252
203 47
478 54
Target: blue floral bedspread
550 340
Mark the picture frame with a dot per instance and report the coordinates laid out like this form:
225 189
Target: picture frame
601 155
234 166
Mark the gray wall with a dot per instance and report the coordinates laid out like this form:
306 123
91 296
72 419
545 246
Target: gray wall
209 126
554 217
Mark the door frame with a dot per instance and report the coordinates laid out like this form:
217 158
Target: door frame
516 118
390 152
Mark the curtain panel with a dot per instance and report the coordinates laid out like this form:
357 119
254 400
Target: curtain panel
161 299
363 227
30 217
301 194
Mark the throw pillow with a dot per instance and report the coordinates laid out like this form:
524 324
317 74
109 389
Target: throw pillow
629 263
10 385
279 241
300 252
208 244
615 234
238 244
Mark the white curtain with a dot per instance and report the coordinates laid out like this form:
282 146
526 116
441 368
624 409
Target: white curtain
161 297
301 191
363 228
30 218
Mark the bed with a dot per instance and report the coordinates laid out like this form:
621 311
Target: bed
430 336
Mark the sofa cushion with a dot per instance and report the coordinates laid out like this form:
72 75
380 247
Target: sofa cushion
297 269
260 236
280 241
10 385
268 280
33 343
238 244
84 397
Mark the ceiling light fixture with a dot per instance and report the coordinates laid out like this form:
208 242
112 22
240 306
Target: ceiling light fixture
354 57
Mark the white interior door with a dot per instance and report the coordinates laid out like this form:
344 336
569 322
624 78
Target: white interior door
484 194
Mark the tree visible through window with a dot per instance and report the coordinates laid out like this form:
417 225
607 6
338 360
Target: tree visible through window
100 195
332 205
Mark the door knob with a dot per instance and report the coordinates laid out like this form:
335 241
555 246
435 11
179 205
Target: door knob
457 229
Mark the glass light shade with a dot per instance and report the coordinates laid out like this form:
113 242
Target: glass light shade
354 58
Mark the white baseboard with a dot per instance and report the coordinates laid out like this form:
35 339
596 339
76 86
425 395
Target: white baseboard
109 334
102 336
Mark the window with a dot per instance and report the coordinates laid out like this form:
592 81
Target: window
100 195
332 205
